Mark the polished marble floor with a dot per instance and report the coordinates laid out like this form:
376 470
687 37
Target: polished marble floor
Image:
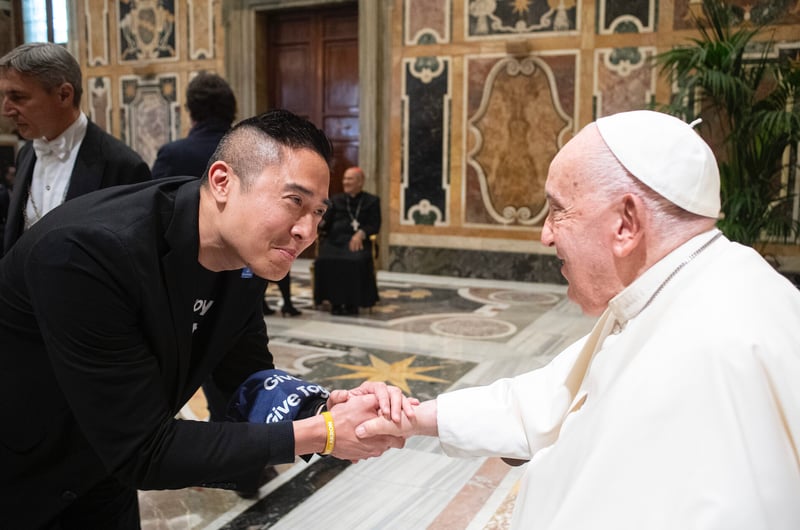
428 334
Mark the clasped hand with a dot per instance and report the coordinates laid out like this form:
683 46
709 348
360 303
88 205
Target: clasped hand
370 401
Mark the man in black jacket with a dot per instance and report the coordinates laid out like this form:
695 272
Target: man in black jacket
117 306
212 108
7 173
66 154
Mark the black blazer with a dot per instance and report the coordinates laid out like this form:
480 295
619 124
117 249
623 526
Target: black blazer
98 354
5 195
102 161
190 155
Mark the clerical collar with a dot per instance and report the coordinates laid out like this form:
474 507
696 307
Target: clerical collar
642 291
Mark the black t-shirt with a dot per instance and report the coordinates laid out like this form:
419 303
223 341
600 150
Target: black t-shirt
206 287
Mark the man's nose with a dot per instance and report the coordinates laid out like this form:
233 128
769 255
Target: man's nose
305 228
8 107
547 233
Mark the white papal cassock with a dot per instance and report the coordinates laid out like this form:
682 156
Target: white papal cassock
688 416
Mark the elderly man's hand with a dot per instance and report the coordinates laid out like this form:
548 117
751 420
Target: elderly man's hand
391 401
422 423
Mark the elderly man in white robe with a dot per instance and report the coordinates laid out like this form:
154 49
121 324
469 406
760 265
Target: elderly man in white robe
681 409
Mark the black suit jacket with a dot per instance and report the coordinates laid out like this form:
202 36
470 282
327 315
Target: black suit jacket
5 196
189 156
98 354
102 161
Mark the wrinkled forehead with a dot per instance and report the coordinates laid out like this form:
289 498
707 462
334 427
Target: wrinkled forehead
569 177
570 159
15 80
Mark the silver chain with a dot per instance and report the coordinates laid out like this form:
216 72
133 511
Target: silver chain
678 268
36 211
354 219
28 222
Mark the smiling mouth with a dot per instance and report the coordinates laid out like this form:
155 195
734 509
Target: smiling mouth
292 253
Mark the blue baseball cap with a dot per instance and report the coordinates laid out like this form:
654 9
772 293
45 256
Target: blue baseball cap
273 395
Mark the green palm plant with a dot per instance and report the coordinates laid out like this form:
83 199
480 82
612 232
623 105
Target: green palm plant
749 101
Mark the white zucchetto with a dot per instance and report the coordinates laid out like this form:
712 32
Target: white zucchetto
667 155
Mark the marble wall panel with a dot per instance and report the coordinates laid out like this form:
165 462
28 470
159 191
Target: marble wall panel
791 176
463 263
201 29
426 137
150 113
426 21
100 102
520 111
623 79
789 50
492 19
147 30
96 12
626 16
6 27
777 12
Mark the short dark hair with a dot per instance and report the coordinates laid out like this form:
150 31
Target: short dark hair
210 97
50 64
256 142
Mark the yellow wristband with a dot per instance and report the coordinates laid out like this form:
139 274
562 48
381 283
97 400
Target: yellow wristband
330 439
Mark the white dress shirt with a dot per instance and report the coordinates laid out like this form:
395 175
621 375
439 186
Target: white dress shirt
53 170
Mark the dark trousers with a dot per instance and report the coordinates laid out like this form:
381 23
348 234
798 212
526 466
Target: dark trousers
285 286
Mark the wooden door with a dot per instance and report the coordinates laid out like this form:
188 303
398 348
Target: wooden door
312 70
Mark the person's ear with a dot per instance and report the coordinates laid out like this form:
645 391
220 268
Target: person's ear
629 228
66 92
220 181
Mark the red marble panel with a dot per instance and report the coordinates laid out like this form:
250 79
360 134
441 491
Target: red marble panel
519 117
427 21
623 80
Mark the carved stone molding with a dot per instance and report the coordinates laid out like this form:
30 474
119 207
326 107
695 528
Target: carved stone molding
96 32
201 29
516 131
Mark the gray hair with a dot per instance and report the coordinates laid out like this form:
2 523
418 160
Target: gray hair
48 63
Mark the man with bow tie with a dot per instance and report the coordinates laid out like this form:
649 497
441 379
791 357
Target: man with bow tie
66 155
